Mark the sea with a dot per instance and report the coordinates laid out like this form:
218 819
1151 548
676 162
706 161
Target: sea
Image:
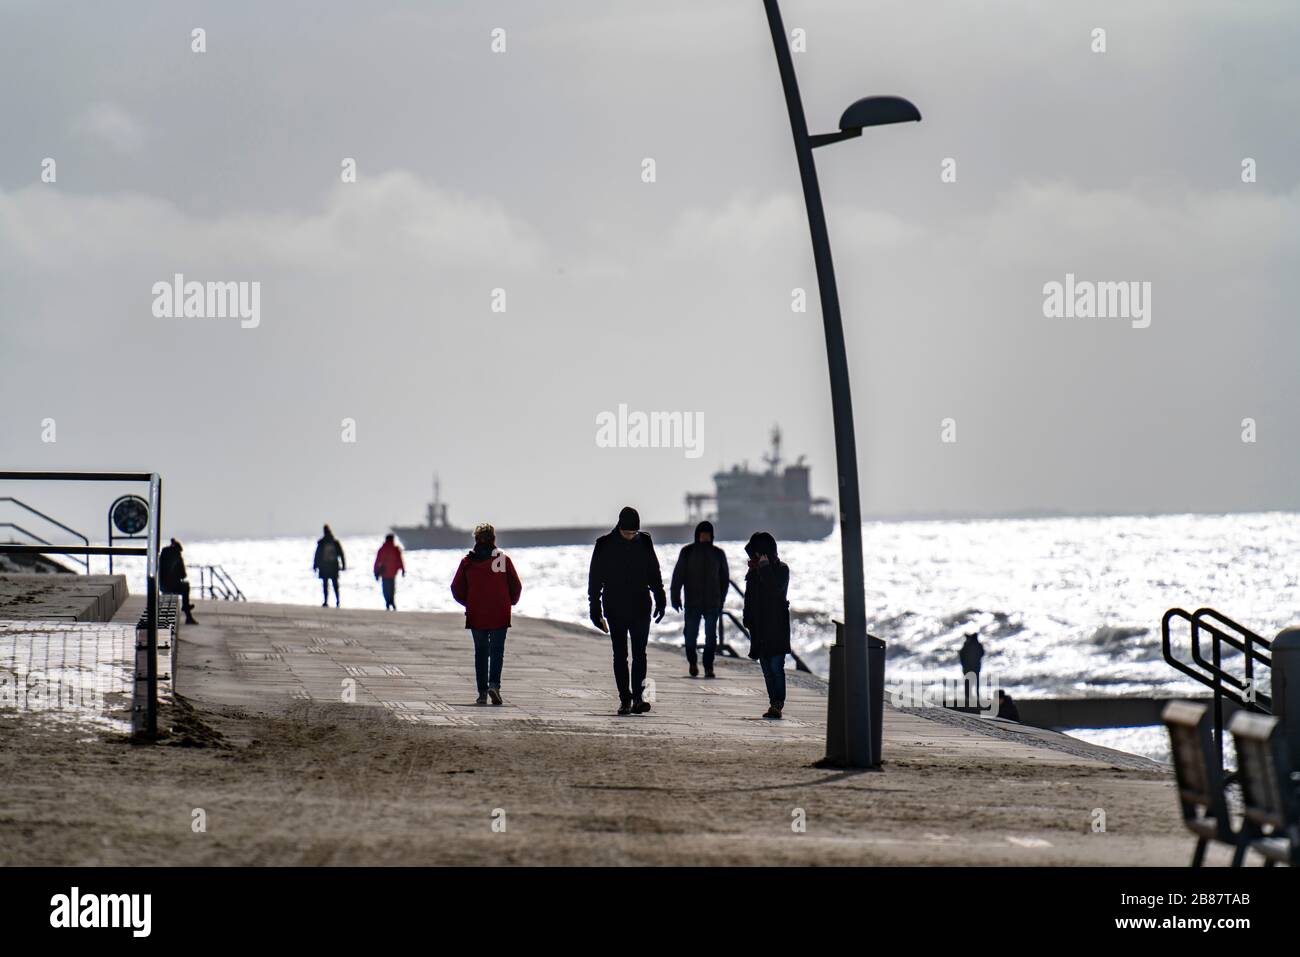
1065 607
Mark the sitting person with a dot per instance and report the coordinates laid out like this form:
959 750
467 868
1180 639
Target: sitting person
171 578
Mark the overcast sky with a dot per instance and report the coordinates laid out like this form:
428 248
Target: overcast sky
522 171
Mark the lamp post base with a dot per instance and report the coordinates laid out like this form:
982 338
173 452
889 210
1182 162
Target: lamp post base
836 698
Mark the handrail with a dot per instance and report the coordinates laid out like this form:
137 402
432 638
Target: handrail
216 582
1211 673
53 521
1247 649
36 538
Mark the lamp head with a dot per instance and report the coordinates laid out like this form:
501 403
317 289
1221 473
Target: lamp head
878 111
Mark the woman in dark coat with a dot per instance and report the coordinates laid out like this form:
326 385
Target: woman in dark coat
327 563
767 615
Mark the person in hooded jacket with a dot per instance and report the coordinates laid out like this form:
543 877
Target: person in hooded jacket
487 584
388 562
702 571
327 563
624 575
172 578
767 616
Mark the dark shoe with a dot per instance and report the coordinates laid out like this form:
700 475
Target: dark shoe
324 604
189 619
625 707
641 707
708 673
495 695
773 712
482 698
695 670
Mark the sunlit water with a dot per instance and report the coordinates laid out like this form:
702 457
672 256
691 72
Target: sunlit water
1063 606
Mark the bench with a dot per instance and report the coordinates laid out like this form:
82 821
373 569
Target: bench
1200 780
1271 825
168 623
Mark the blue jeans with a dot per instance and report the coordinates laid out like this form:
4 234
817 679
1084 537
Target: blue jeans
774 677
489 652
710 616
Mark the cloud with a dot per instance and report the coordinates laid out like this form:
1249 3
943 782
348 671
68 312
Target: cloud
110 125
389 220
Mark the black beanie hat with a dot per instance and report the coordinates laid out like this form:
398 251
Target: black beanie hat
629 520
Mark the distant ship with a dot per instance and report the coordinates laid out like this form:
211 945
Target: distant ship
777 500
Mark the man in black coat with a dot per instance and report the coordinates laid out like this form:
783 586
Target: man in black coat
172 578
702 571
767 616
624 575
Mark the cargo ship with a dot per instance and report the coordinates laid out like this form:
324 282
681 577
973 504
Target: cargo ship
776 499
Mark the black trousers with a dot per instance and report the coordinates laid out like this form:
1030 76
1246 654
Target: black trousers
181 588
389 586
633 632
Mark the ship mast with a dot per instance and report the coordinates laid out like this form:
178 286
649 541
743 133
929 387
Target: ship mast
774 458
435 505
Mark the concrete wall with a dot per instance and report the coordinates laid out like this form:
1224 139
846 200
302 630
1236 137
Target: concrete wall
61 597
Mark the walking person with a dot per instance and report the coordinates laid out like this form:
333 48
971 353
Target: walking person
702 571
388 562
329 561
172 578
767 616
487 584
624 575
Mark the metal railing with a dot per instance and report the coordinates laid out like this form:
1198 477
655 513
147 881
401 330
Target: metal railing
725 649
144 704
1241 690
36 538
215 582
85 560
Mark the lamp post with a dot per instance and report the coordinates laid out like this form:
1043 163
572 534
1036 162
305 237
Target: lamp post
870 111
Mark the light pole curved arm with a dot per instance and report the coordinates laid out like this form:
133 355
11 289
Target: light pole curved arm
859 746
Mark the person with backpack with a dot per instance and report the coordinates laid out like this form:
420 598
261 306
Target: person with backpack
487 584
387 564
624 574
702 571
767 616
329 561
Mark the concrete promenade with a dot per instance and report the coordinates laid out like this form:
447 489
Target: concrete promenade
352 737
949 793
557 677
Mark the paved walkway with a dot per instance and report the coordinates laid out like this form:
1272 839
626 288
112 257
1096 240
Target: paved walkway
557 677
700 779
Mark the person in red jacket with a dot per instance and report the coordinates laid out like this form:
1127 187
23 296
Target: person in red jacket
487 585
387 564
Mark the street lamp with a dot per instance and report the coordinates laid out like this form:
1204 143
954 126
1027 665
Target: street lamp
870 111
